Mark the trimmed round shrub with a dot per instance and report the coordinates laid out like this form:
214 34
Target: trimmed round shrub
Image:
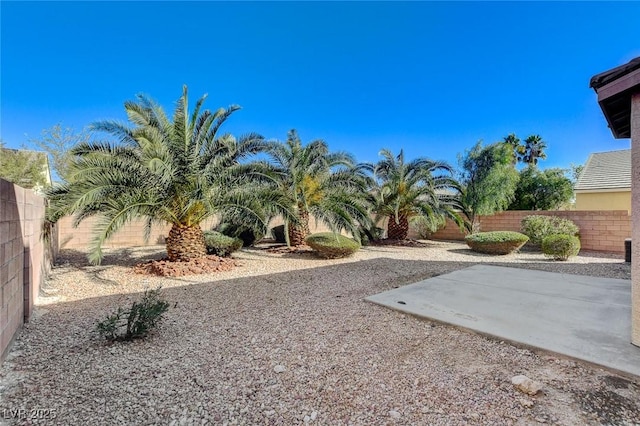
497 242
221 245
560 247
537 227
277 232
332 246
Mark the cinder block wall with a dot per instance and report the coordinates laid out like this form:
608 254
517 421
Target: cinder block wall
24 259
132 234
600 230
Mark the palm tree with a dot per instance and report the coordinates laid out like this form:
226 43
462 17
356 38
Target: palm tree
421 187
329 186
534 148
178 171
518 149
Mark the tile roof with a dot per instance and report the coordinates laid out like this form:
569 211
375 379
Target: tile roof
606 170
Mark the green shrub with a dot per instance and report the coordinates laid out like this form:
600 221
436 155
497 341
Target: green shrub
332 246
370 234
537 227
277 232
248 236
425 226
497 242
220 244
560 247
136 322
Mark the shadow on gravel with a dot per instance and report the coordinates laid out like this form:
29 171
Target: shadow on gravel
122 257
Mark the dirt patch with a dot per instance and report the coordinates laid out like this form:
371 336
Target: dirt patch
167 268
280 249
400 243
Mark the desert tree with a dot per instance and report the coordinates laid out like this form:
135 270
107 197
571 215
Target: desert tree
488 180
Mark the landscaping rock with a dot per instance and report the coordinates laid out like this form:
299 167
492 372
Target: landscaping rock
526 385
212 360
526 402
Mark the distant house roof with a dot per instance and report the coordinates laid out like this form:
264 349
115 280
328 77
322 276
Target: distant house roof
614 88
606 170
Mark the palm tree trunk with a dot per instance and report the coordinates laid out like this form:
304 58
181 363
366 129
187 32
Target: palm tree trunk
300 231
398 230
185 243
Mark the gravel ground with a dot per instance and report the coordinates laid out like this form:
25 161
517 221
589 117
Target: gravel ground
288 339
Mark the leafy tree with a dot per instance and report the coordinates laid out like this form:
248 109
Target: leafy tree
488 181
576 170
420 187
22 167
178 171
542 190
58 142
313 180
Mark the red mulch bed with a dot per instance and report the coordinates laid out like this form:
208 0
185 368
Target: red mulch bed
203 265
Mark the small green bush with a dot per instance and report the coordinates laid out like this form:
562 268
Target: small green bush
136 322
560 247
367 235
537 227
497 242
220 244
332 246
248 236
277 232
425 226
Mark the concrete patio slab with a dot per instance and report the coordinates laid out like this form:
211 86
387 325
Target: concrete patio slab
583 317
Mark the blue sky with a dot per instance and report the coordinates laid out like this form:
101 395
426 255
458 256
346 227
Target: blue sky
429 77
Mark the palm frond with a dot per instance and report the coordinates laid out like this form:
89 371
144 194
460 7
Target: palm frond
174 170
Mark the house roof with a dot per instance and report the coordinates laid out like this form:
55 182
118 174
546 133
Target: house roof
606 170
614 88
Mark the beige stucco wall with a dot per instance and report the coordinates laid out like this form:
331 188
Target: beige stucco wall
603 200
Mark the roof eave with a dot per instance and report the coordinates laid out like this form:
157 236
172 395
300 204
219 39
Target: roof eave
614 89
601 190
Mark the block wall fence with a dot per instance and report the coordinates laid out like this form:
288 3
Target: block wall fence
132 235
599 230
24 258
